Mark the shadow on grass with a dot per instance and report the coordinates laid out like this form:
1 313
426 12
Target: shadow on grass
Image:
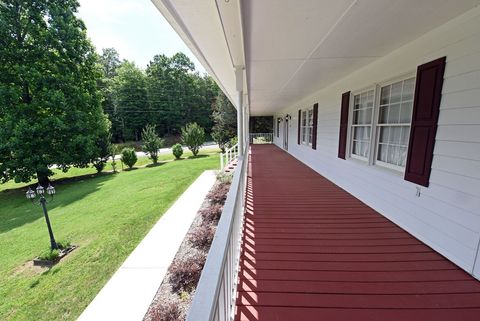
155 165
17 211
198 156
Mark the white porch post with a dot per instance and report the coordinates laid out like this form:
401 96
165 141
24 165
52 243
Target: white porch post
240 110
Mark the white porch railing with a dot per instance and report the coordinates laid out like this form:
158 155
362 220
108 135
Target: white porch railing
230 155
261 138
215 296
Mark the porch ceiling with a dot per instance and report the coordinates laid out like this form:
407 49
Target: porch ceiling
293 48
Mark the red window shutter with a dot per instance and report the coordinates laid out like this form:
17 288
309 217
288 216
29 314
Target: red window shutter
314 129
426 107
299 126
342 139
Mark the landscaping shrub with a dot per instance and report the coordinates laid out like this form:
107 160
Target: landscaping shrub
151 142
219 193
129 157
212 213
221 138
193 136
177 151
168 310
232 142
225 177
185 272
202 236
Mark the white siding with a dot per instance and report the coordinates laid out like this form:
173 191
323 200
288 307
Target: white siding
446 216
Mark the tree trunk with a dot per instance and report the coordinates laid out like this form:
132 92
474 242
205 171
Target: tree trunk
42 175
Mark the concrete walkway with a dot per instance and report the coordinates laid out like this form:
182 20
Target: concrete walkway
128 294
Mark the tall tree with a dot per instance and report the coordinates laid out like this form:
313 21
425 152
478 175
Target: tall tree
50 109
179 95
109 63
130 99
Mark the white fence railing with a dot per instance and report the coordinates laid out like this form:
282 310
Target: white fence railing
215 295
229 156
261 138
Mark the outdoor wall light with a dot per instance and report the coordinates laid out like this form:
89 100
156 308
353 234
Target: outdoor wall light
288 117
30 194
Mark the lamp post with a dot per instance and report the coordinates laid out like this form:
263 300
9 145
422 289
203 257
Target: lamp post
43 201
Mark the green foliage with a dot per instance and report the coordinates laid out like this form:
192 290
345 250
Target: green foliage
221 137
151 142
109 63
193 136
178 95
225 119
177 151
104 146
49 255
232 142
261 124
129 89
129 157
50 110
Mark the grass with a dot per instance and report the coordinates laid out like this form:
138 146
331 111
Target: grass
77 172
105 215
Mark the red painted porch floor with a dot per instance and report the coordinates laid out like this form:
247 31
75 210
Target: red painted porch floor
314 252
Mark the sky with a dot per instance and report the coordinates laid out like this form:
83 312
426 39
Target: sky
135 28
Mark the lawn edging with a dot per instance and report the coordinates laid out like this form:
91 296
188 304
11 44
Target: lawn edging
129 293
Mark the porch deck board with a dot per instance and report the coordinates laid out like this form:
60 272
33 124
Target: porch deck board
312 251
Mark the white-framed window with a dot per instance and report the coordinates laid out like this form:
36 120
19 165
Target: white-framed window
307 126
394 119
362 124
383 124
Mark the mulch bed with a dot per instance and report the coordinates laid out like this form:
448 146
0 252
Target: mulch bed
174 296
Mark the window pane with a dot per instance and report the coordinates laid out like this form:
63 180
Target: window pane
384 133
406 112
382 152
395 135
393 114
403 156
356 102
385 95
408 89
396 92
405 135
383 115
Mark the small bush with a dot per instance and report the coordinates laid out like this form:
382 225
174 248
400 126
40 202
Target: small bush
63 244
168 310
218 194
193 136
177 151
49 255
185 272
202 236
225 177
232 142
212 213
99 165
129 157
151 142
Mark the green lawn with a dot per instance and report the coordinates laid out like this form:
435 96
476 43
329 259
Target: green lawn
142 162
106 215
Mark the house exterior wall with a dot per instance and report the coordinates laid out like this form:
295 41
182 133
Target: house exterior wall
446 215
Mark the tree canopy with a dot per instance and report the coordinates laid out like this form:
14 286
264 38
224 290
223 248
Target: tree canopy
50 110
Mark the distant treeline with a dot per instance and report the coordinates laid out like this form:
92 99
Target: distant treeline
168 95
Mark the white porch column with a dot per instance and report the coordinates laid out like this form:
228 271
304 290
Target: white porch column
240 110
